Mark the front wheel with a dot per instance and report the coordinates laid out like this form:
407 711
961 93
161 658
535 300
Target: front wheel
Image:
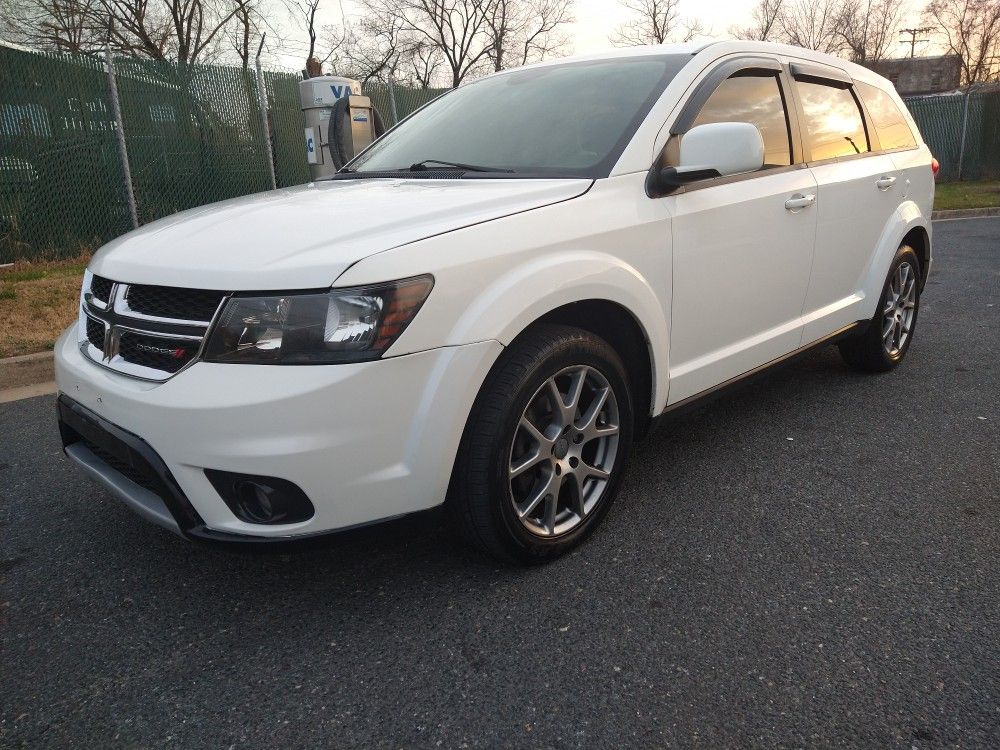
545 446
887 338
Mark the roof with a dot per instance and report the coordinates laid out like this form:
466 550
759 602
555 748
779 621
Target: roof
720 49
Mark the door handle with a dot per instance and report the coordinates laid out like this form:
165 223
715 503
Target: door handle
885 182
799 201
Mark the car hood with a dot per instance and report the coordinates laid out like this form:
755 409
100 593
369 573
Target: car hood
305 237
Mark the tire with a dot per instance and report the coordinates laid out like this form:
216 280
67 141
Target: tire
528 481
887 338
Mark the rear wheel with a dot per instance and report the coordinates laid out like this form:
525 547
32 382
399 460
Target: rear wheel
885 342
544 447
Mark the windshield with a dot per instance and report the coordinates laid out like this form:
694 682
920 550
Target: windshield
567 120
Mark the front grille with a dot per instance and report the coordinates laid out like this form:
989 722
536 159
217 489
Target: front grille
156 352
95 333
173 302
100 287
154 331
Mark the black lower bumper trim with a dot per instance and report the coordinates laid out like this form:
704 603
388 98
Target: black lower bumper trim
116 452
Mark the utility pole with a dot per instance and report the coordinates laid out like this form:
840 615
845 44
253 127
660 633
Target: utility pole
913 41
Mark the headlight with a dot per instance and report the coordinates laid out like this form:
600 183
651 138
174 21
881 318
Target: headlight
342 325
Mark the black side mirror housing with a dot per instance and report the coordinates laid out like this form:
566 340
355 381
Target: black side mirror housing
660 182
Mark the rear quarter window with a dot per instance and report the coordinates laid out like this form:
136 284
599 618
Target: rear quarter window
890 123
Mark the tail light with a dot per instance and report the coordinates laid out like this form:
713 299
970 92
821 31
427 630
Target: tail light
935 166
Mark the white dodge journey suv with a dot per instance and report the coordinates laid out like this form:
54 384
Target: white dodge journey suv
494 300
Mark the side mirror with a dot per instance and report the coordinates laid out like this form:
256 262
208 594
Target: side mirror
713 150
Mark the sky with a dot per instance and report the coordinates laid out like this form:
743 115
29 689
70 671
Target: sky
596 20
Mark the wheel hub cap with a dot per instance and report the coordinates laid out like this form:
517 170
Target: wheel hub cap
561 448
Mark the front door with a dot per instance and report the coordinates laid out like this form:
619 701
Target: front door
742 248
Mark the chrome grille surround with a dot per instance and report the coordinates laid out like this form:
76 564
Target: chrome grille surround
156 348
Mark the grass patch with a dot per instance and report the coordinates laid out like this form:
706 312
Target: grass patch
953 195
37 302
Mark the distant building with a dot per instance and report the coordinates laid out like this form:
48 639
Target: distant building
913 76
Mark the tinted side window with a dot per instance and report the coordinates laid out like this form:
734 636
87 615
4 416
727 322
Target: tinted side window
833 122
890 124
756 98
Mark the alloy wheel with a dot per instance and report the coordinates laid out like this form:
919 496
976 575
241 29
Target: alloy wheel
563 451
900 309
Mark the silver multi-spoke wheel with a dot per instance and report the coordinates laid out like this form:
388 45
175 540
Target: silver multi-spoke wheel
900 308
563 451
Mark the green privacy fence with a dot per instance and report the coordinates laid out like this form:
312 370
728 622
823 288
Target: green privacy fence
61 183
944 119
193 135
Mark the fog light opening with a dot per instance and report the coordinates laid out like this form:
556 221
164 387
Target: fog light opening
261 500
255 501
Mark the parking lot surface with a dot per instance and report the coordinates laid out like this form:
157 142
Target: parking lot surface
810 561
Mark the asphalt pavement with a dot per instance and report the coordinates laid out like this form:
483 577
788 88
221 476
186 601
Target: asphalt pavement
812 561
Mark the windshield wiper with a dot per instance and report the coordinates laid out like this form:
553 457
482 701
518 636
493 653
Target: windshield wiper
420 166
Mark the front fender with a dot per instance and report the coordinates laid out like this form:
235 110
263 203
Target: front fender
528 292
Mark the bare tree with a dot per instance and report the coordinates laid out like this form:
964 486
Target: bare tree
766 22
56 25
458 29
971 30
655 22
869 28
187 30
523 31
249 29
137 28
304 17
814 24
421 63
372 47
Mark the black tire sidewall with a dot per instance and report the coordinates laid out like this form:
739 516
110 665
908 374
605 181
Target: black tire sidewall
577 348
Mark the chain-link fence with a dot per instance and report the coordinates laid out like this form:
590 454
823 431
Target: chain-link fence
962 131
74 134
61 182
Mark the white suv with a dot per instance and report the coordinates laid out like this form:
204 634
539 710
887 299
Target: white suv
487 306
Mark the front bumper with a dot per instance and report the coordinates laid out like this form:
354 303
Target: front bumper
364 442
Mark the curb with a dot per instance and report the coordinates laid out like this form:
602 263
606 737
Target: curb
965 213
28 369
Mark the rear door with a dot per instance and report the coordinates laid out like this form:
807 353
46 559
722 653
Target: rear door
858 190
897 135
743 244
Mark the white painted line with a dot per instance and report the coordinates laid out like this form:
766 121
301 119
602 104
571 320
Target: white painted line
27 391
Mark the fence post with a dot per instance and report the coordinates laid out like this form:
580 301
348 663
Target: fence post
965 128
265 131
392 102
116 110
